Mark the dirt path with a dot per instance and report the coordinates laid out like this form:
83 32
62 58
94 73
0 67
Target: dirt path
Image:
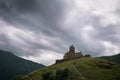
82 77
28 78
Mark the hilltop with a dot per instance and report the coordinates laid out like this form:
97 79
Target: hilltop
85 68
76 66
12 65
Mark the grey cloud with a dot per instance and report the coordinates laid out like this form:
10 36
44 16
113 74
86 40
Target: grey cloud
11 46
46 20
43 18
105 33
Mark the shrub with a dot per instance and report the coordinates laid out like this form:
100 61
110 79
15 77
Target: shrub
87 55
18 77
62 74
46 75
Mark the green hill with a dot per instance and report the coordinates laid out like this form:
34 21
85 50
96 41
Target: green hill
85 68
114 58
11 65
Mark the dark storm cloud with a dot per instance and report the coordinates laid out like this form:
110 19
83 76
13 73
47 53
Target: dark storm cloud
48 11
36 15
40 16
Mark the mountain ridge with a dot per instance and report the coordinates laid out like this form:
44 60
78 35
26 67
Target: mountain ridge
113 58
12 65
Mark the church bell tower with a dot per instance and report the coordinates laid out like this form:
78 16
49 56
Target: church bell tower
72 49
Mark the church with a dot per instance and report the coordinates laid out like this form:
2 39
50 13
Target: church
71 54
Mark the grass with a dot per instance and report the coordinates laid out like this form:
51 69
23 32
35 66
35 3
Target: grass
80 69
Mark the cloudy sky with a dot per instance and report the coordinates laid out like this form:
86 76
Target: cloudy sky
42 30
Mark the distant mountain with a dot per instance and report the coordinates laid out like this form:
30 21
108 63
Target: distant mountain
85 68
114 58
11 65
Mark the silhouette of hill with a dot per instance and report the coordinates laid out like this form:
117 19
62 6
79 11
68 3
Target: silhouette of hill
11 65
113 58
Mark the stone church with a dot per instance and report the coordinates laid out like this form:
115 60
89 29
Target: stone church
71 54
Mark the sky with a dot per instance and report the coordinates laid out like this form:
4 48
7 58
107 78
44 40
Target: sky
43 30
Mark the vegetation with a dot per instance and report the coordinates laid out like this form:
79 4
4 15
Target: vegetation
59 75
85 68
11 65
87 55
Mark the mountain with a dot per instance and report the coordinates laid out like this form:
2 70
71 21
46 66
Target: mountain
114 58
85 68
11 65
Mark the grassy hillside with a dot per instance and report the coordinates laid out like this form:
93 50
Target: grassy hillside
114 58
11 65
78 69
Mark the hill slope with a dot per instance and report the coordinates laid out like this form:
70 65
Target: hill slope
11 65
114 58
77 69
